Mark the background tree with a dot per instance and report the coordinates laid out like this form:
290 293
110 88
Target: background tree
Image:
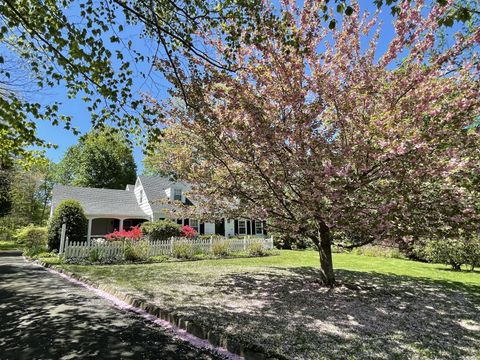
5 181
102 158
328 136
30 190
29 181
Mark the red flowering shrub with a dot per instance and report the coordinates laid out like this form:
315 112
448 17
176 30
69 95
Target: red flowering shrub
133 234
188 231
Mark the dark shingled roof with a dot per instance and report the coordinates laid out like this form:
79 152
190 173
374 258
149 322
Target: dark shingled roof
99 201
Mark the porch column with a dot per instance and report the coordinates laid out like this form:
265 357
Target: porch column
89 231
121 225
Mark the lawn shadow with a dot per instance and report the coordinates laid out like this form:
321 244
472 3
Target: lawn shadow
369 316
475 271
43 316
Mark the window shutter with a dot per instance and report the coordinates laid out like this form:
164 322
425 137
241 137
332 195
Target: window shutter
202 228
254 231
264 227
186 222
179 221
236 226
249 227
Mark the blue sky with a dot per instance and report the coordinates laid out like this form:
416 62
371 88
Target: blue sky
81 117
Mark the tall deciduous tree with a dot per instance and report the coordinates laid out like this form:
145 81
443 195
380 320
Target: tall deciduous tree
102 159
30 181
91 48
332 136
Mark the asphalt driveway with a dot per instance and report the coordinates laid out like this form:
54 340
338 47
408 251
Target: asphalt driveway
43 316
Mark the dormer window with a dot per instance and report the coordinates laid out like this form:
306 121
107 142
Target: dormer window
177 194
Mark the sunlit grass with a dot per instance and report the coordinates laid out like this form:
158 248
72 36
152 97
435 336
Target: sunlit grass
382 308
8 245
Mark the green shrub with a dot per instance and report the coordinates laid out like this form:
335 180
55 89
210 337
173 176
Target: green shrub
256 249
135 250
94 255
183 250
453 252
33 239
9 226
6 233
221 248
287 242
378 251
68 212
160 230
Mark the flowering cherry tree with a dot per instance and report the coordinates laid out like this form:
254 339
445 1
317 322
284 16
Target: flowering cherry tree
326 135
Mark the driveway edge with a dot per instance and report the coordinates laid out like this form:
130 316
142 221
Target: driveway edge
195 334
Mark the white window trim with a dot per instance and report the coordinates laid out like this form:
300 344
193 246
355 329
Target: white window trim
141 196
197 227
261 227
245 224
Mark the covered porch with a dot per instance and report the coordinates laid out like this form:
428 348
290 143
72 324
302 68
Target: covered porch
99 226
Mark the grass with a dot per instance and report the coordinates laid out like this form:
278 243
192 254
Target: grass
383 308
8 245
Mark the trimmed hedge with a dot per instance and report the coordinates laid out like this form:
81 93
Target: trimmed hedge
68 212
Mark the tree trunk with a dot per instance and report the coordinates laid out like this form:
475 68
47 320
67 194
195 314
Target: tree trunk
325 251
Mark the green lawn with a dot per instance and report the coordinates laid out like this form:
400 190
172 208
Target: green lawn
383 308
8 245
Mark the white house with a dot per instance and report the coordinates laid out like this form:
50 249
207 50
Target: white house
109 209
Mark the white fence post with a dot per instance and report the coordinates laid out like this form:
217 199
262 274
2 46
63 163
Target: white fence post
80 249
67 244
62 239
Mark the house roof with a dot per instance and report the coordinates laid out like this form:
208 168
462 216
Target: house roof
97 202
155 186
130 187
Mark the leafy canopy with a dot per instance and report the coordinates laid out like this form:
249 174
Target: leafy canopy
102 158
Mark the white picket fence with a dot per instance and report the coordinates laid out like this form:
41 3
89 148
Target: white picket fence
115 249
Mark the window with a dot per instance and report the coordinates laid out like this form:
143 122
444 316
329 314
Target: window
242 227
141 196
194 224
177 194
259 227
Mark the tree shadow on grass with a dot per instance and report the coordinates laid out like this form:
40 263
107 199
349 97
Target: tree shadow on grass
43 316
371 316
467 271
